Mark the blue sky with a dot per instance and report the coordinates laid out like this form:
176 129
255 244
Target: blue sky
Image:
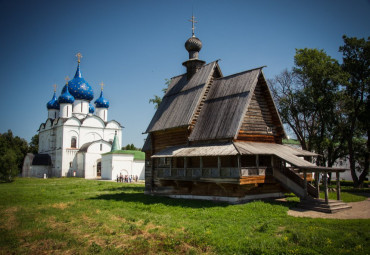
133 46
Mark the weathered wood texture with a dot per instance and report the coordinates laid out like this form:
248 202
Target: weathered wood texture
224 107
172 137
261 122
215 75
181 100
166 187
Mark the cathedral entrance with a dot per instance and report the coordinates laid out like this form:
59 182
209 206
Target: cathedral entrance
98 169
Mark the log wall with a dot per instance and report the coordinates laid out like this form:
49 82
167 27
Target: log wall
261 122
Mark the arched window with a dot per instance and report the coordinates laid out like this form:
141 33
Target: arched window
73 142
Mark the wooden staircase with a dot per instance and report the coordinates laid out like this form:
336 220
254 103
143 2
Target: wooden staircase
294 182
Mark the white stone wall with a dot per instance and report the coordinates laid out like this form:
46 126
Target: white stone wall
55 139
39 171
65 110
139 169
115 164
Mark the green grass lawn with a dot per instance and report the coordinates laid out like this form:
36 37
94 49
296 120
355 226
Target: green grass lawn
77 216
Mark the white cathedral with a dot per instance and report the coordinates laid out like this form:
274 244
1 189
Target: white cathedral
77 137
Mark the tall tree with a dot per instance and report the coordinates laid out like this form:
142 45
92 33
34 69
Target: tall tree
307 99
11 148
356 60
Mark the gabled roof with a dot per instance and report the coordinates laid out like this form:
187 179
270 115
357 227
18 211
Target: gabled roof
181 100
86 146
225 106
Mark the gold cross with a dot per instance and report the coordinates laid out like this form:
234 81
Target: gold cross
67 79
79 56
55 87
102 85
192 20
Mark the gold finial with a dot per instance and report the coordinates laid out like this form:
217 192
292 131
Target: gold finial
192 20
67 79
55 87
79 56
102 85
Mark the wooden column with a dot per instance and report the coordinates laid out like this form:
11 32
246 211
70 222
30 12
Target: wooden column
219 165
170 166
325 180
239 166
305 184
317 182
201 166
338 186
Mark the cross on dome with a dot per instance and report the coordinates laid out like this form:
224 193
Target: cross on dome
67 79
79 56
102 85
192 20
55 87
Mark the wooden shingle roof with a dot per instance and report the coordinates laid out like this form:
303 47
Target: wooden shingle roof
181 100
225 106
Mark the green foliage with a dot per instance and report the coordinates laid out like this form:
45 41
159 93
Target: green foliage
356 103
131 147
34 144
327 105
12 152
8 165
78 216
157 100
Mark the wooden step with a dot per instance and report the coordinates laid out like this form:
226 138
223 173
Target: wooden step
320 205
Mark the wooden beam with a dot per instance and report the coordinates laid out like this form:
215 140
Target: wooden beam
325 179
305 184
338 186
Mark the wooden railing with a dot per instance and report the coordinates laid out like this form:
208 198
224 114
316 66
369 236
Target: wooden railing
196 173
311 190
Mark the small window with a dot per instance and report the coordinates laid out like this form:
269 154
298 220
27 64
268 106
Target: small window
73 142
70 164
101 147
164 162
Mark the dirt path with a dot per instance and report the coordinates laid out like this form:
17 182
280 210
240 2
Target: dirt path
359 210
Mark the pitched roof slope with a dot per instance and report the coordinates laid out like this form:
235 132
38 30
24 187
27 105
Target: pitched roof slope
181 99
225 106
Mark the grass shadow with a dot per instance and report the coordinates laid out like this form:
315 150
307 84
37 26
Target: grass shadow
126 188
150 200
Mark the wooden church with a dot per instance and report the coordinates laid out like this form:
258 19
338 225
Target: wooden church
220 137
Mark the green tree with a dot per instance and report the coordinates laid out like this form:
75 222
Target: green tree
34 144
8 165
10 147
307 100
157 100
356 105
131 147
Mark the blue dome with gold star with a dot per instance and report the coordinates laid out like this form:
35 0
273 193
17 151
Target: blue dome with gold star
79 88
101 102
53 103
91 108
66 97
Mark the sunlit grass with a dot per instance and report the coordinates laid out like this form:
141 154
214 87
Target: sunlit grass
77 216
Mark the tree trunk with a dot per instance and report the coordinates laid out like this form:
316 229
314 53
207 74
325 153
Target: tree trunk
365 172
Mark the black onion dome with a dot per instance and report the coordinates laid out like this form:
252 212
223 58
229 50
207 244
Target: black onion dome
193 44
